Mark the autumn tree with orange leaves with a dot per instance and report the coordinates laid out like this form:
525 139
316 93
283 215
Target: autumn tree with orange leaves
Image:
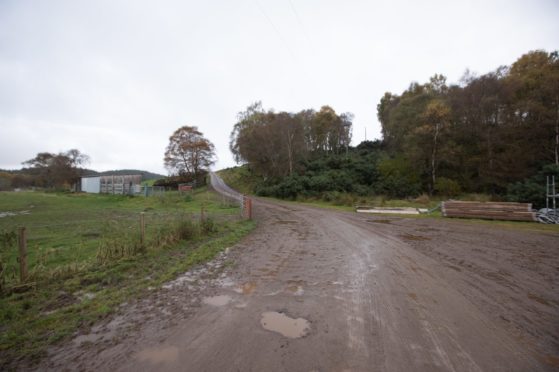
188 152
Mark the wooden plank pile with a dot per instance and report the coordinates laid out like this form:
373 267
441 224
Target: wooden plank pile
489 210
384 210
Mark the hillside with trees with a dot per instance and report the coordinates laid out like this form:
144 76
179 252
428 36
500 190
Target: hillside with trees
59 171
496 133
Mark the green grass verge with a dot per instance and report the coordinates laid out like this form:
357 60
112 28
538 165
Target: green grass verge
240 179
76 289
514 225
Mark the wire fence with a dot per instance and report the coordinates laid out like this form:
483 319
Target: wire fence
244 202
41 251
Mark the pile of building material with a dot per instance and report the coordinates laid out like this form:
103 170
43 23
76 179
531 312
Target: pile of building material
387 210
489 210
548 216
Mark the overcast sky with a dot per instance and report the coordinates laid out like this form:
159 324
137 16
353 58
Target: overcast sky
115 78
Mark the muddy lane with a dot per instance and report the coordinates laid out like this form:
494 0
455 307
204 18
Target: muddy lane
311 290
290 307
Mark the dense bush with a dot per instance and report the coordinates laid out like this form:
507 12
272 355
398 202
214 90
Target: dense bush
354 172
447 187
174 181
366 171
532 190
398 178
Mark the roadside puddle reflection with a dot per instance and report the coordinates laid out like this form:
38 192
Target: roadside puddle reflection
284 325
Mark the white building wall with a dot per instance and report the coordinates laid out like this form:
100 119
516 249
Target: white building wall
91 184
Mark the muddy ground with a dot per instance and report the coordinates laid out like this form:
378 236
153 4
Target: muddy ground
320 290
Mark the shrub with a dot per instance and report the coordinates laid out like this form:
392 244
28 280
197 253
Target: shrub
423 199
186 229
398 178
345 199
208 225
532 190
361 190
330 196
447 187
320 183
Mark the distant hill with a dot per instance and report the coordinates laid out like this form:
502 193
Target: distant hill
91 173
35 177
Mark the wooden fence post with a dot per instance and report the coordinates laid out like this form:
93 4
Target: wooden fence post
247 207
22 254
142 228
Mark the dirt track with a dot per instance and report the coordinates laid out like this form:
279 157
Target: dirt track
379 294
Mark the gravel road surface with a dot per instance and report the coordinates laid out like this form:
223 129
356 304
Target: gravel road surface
321 290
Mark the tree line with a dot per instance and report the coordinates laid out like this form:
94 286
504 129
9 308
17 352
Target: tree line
47 170
484 133
187 157
277 144
496 133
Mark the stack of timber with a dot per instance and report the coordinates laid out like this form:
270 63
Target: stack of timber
384 210
489 210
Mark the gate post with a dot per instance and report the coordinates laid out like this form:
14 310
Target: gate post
247 207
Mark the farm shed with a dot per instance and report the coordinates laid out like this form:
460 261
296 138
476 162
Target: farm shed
91 184
112 184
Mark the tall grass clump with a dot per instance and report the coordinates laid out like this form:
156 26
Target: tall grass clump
8 240
115 247
208 226
186 229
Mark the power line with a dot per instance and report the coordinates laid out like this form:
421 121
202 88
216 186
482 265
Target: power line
280 36
301 25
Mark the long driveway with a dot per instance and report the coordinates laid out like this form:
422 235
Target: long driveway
320 290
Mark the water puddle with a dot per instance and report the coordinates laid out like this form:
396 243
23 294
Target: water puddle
180 281
284 325
11 214
101 332
388 222
225 282
89 338
220 300
156 356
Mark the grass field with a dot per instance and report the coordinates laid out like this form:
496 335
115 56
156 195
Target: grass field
85 257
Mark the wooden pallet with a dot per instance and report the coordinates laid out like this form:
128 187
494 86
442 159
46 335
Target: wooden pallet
489 210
